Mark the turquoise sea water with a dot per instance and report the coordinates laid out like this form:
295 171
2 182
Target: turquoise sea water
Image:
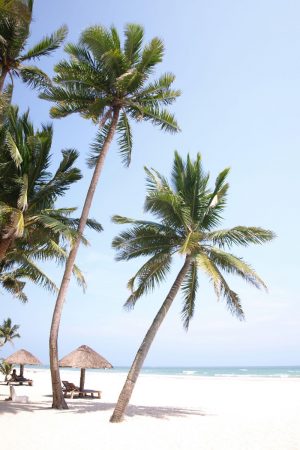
243 371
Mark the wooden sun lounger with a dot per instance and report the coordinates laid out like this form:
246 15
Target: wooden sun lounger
70 388
20 382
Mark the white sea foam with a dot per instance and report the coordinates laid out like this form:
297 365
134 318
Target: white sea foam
189 372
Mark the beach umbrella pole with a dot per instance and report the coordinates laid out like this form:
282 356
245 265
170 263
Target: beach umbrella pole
21 370
82 379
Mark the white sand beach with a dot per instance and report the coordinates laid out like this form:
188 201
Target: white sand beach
166 412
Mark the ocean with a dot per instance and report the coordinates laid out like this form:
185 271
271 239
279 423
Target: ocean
243 371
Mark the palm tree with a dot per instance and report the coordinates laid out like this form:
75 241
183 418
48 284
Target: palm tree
31 228
20 265
8 332
15 21
5 369
109 84
188 213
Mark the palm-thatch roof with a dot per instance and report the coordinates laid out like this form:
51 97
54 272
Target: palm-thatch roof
85 358
22 357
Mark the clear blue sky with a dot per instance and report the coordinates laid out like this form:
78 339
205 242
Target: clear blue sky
237 64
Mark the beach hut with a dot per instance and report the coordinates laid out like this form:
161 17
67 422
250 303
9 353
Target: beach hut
83 358
22 357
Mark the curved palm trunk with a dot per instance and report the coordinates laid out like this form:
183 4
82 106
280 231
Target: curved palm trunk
2 79
58 398
142 352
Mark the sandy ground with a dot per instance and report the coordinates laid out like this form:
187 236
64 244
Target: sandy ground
166 413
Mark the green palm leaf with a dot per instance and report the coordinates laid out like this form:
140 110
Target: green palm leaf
13 149
240 236
34 77
133 43
97 145
235 266
148 276
125 139
15 21
47 45
189 289
157 116
32 227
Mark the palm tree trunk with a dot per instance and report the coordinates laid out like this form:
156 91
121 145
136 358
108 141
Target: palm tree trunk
2 79
58 398
142 352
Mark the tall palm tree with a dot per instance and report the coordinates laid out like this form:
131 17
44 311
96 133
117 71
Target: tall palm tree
8 332
188 213
109 84
15 21
31 228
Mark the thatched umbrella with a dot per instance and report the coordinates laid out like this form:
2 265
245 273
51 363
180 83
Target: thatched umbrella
84 358
22 357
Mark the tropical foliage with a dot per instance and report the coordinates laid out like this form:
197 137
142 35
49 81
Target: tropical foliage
188 214
5 369
103 79
31 227
8 332
15 21
110 84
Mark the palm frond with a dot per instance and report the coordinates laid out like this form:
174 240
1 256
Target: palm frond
97 145
152 273
125 139
79 277
23 198
232 299
13 150
143 240
189 288
240 236
29 270
47 45
157 116
152 54
220 285
164 203
98 40
237 266
11 284
206 266
134 35
34 77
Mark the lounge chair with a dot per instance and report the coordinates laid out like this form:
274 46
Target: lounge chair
70 388
16 379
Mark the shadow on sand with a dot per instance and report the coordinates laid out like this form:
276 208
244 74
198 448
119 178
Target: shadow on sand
87 406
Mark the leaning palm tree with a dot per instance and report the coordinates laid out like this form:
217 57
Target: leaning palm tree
31 227
8 332
109 84
15 21
188 213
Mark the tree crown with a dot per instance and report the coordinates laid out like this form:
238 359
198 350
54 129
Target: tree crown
102 77
188 211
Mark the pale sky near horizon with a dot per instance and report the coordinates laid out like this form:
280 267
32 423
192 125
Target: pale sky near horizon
237 64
